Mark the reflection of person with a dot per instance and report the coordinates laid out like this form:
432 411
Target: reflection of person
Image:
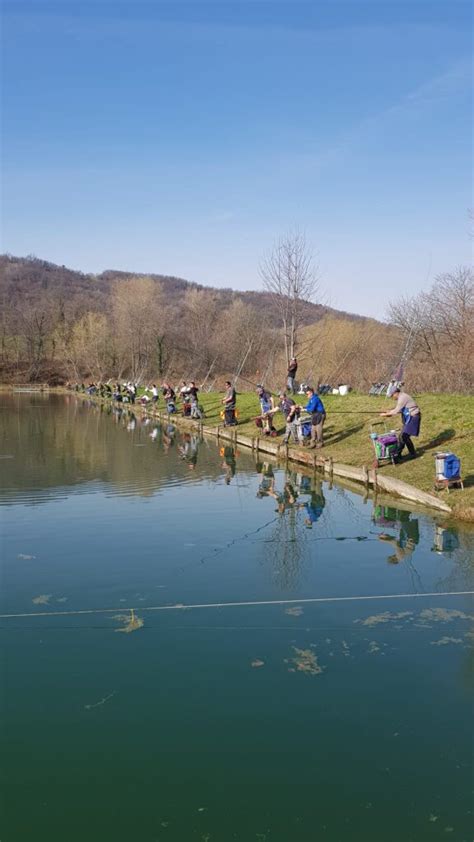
287 500
189 450
267 483
228 463
315 505
411 415
167 436
408 538
229 402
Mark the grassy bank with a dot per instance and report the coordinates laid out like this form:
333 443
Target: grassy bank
446 425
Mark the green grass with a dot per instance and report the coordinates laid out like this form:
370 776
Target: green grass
446 425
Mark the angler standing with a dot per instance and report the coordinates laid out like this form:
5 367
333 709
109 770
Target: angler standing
267 408
229 402
291 411
411 415
315 407
291 375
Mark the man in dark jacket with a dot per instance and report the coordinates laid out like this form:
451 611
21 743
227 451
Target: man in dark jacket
290 378
229 402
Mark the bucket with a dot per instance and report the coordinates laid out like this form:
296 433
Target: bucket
343 390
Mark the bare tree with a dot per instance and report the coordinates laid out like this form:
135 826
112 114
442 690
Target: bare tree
290 274
439 324
89 350
139 319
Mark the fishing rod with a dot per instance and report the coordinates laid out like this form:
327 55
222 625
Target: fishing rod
238 374
208 374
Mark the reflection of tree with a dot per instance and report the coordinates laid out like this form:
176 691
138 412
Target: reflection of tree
285 549
61 442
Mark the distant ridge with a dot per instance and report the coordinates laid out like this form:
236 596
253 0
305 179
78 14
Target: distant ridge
31 277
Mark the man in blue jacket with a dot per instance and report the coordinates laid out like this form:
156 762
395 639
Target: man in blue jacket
318 417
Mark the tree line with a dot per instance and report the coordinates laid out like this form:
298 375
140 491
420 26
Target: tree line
146 328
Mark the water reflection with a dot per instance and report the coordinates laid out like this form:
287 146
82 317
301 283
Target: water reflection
406 527
229 464
55 446
296 610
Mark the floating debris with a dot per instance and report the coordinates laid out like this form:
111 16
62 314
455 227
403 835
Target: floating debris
257 663
444 615
42 599
101 701
345 648
294 611
25 556
62 599
444 641
373 647
305 661
433 818
131 622
384 617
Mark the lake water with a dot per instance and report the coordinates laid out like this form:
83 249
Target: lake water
255 715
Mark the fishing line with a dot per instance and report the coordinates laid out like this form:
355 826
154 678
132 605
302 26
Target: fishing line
249 603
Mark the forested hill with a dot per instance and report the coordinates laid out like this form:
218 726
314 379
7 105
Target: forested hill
31 279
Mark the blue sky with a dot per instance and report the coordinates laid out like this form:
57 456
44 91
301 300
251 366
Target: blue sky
185 137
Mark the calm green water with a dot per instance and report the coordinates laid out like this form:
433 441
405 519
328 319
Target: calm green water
283 722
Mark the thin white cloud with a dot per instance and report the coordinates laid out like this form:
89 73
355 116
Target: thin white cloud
457 78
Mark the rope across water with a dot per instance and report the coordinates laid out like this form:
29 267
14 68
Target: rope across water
249 603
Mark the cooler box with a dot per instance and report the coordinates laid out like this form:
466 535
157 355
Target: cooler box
447 465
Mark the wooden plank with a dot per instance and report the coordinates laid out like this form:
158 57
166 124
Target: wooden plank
410 492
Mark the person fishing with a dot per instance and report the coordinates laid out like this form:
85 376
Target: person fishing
193 392
291 411
316 409
169 396
229 401
411 416
267 409
291 375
